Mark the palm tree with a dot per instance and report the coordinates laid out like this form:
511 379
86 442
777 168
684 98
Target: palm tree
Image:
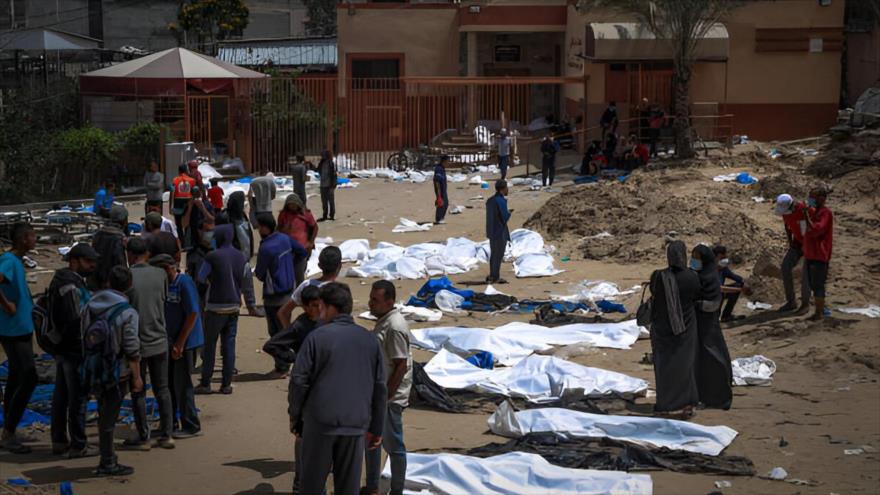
681 23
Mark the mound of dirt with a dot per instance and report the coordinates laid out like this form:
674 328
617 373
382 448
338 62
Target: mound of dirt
788 182
841 157
628 222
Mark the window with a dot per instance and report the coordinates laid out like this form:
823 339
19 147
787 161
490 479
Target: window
383 73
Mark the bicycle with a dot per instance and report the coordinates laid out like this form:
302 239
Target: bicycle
420 159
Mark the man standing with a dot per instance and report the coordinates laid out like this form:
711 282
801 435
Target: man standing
185 335
392 332
440 190
275 268
260 195
794 218
154 182
549 148
148 294
818 240
298 173
497 216
181 195
104 199
111 305
330 263
228 275
656 118
337 395
193 172
109 243
297 222
67 296
503 153
609 120
327 171
16 335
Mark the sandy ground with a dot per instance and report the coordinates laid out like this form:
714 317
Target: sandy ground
825 397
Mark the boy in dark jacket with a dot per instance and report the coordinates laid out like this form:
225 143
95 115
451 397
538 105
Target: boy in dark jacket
68 295
109 242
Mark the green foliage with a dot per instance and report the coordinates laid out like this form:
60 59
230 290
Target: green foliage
142 140
322 17
88 150
211 20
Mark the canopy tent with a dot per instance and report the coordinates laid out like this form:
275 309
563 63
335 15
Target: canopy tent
624 41
46 40
197 97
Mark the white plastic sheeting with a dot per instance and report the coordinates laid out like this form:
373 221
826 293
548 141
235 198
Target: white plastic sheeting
514 473
871 311
410 313
407 225
535 378
514 341
597 290
535 265
645 431
755 370
354 249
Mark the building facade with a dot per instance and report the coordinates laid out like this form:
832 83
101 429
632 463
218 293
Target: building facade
774 64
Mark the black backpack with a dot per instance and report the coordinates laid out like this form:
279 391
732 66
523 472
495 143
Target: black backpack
48 335
100 368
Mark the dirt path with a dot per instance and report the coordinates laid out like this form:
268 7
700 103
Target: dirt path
825 397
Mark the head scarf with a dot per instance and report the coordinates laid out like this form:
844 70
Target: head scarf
235 206
676 257
710 286
294 199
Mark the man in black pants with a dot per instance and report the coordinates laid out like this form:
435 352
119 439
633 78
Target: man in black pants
327 171
337 394
497 216
549 148
16 335
67 297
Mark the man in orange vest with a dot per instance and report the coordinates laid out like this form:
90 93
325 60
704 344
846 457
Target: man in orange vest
181 195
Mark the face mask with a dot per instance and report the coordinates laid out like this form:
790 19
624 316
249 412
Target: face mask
208 237
696 265
724 262
811 202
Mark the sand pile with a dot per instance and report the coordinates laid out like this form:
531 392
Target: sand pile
840 157
628 222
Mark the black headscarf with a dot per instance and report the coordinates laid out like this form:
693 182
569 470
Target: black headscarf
676 256
710 286
235 206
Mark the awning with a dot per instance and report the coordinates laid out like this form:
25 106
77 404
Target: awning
175 63
622 41
46 39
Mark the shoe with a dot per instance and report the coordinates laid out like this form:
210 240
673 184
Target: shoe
184 434
60 448
87 451
441 222
203 390
802 310
12 443
227 390
114 470
137 444
165 443
276 375
501 281
789 306
323 219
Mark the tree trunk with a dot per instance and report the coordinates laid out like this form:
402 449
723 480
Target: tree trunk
684 146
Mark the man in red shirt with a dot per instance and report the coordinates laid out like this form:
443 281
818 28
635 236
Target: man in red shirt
215 194
181 195
818 239
636 155
792 214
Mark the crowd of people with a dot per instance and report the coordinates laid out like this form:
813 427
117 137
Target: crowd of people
692 364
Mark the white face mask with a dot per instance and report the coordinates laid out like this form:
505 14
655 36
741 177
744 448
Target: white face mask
724 263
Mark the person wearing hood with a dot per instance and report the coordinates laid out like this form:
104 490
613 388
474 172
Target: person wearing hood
185 335
793 218
109 242
674 333
112 304
275 268
327 171
818 241
148 294
244 233
228 275
67 296
298 223
713 371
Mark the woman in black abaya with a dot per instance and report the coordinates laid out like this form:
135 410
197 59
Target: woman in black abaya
674 333
713 369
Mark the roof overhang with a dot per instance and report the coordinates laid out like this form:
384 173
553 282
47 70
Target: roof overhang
46 39
622 41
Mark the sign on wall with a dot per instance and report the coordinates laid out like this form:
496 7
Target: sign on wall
507 53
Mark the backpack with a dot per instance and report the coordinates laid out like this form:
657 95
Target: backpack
100 368
48 335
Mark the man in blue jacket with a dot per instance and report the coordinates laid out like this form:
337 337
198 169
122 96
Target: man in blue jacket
337 395
275 261
228 275
184 325
497 216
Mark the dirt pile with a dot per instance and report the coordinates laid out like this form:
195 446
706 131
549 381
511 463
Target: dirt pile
849 154
628 222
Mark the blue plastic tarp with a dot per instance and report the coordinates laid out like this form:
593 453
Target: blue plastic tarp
610 307
745 178
424 298
482 359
